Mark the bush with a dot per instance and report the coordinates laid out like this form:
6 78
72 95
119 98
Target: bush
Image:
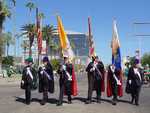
132 61
55 64
145 59
9 60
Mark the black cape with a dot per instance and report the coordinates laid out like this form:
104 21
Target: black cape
64 78
95 75
135 80
44 81
27 81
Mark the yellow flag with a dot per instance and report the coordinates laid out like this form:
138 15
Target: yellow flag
62 34
65 44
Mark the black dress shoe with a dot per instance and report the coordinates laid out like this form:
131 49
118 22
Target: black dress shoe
137 104
114 102
69 102
43 102
28 103
99 101
88 102
59 104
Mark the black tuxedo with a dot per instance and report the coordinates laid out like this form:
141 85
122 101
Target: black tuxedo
29 83
134 87
94 79
46 81
64 82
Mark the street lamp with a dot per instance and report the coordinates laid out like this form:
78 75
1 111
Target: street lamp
140 36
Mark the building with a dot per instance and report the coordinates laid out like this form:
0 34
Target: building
77 40
79 44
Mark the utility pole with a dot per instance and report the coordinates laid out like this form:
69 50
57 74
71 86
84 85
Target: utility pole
140 37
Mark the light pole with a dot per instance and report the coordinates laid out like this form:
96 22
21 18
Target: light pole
140 37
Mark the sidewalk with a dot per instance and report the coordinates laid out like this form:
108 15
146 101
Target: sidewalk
14 80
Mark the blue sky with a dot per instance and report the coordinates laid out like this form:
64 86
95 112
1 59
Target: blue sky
74 14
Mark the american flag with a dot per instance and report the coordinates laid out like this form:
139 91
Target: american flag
90 40
39 31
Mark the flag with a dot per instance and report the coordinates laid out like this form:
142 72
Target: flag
39 31
90 40
65 44
115 45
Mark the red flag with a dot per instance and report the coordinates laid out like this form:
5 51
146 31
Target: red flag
90 40
39 31
74 83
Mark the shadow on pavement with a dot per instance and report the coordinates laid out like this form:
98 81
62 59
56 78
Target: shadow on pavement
124 101
119 100
80 99
18 99
50 100
22 100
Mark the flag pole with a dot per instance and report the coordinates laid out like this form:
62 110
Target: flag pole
37 27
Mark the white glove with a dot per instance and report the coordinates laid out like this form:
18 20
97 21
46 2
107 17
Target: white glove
130 81
41 72
64 67
43 67
92 69
95 64
22 81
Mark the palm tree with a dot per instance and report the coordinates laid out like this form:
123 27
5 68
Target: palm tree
14 2
25 46
55 49
8 40
14 23
1 45
30 6
41 15
29 30
4 13
72 44
48 31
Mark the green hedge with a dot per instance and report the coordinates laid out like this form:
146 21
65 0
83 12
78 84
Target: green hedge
9 60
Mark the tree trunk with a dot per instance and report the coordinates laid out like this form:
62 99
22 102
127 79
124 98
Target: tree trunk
1 47
7 50
30 47
47 47
30 51
24 52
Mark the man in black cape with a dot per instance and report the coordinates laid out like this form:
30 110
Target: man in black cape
46 80
96 71
29 79
67 81
134 82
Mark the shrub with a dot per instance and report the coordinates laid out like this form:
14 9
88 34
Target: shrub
9 60
55 64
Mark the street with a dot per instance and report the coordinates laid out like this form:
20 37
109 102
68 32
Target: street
12 101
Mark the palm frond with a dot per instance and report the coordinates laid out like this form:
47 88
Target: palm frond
30 5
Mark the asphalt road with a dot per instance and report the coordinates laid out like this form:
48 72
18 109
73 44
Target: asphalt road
12 101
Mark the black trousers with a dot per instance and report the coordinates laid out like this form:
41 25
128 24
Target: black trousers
114 91
92 82
28 94
135 95
45 95
67 87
